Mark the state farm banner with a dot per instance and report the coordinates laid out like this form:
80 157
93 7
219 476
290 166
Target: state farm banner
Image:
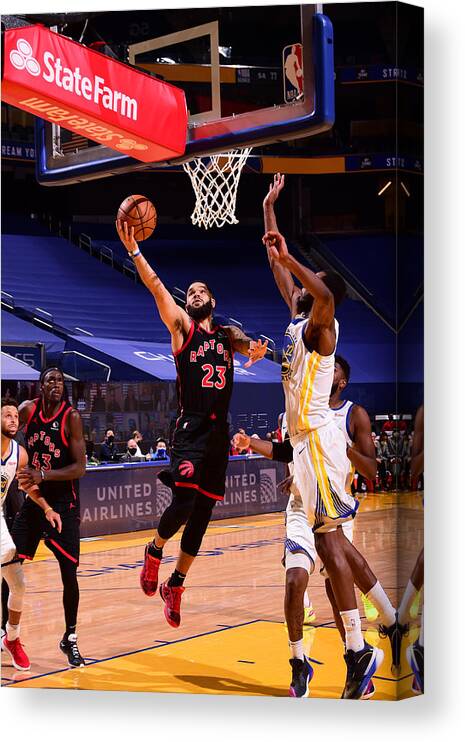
91 94
130 497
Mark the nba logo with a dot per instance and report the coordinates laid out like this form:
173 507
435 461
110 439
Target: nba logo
293 76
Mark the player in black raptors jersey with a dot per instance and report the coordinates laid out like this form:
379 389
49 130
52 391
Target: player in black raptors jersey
57 459
203 354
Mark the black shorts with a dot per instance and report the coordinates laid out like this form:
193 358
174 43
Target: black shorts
199 456
31 525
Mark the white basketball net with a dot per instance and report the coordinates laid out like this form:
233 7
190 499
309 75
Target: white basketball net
215 181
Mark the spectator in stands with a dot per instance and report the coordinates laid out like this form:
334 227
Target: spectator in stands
381 458
131 452
391 425
138 437
161 450
395 448
108 448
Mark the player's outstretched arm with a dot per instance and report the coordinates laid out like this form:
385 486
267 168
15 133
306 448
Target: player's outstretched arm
363 453
255 350
275 451
34 493
174 317
283 278
323 306
264 448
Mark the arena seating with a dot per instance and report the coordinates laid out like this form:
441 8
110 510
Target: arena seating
373 259
78 291
93 296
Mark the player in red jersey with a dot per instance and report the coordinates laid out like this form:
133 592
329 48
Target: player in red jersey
57 460
203 354
14 458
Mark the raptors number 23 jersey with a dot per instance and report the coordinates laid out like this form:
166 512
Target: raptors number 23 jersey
205 372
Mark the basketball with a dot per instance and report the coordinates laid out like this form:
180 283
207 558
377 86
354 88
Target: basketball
140 213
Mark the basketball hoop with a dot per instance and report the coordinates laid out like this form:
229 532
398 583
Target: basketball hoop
215 181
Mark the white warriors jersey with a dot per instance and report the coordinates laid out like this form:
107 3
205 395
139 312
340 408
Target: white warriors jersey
307 380
341 416
9 467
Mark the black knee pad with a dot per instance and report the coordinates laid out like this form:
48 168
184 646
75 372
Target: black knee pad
197 524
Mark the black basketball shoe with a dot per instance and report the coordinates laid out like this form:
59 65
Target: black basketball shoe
68 646
394 633
302 673
361 666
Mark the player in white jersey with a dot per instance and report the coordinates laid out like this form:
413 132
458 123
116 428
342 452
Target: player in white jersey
14 458
319 455
300 553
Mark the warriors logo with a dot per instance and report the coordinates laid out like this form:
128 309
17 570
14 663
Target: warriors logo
4 485
288 352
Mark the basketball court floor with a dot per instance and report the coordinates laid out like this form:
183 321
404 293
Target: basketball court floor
232 639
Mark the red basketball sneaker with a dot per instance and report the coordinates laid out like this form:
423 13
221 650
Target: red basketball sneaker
149 573
17 654
172 599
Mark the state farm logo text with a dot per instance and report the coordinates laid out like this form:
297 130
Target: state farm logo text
73 81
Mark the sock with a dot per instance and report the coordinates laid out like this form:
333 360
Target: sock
353 629
176 579
70 634
155 551
406 602
297 649
307 601
12 632
380 600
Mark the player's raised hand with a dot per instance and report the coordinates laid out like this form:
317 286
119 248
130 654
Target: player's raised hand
277 244
241 441
126 235
257 351
274 190
54 519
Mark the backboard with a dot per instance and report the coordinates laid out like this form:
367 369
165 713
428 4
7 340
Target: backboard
251 75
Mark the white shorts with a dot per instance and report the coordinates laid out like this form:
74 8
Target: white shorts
320 470
8 549
299 547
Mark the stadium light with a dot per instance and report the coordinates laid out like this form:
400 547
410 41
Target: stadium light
385 187
405 189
